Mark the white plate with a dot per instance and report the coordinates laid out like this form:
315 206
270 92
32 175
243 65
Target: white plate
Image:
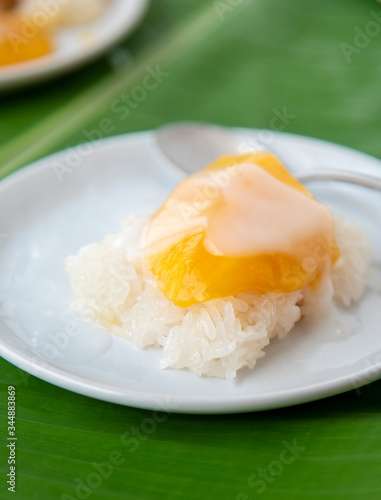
46 220
77 46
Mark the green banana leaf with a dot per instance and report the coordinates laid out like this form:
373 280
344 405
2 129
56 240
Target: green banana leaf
232 62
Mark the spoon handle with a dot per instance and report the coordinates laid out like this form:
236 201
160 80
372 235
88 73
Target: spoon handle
326 175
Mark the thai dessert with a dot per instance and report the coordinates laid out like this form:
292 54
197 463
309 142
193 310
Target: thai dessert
28 27
234 257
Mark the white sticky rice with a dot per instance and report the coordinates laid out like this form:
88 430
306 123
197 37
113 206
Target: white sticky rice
216 338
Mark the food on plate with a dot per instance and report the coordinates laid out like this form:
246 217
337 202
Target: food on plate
28 27
233 258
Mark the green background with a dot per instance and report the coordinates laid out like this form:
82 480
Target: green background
230 62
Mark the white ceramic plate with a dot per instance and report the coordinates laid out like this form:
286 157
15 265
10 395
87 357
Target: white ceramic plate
77 46
45 220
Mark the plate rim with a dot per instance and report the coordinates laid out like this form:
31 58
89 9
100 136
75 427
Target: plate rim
30 72
185 404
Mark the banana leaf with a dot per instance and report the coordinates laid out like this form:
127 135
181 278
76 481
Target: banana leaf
234 63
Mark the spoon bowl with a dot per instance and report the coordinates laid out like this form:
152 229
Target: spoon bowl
184 148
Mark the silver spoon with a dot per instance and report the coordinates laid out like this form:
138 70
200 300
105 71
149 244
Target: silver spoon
186 147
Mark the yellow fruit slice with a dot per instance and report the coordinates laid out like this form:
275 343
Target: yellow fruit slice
242 223
18 43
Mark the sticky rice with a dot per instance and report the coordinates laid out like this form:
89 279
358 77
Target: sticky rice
114 288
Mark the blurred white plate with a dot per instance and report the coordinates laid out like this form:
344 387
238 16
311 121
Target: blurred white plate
77 46
42 220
